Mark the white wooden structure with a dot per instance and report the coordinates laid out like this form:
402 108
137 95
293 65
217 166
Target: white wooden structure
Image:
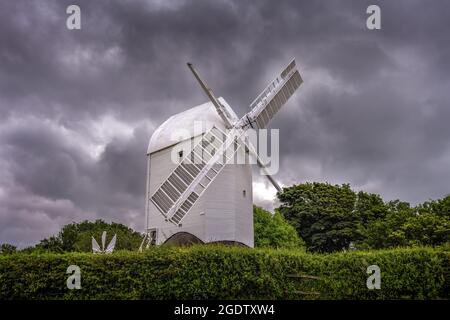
224 212
204 195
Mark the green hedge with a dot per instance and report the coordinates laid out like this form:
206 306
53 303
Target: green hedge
215 272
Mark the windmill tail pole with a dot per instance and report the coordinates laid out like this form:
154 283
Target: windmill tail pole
271 179
251 149
211 96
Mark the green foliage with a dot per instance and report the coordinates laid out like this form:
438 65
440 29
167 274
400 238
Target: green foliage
332 218
217 272
6 248
439 207
427 224
77 237
273 231
323 215
370 207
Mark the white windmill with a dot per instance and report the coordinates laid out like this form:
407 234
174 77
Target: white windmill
205 197
109 249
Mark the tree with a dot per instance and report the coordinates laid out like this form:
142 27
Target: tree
439 207
403 225
387 232
324 215
432 222
78 236
52 244
426 229
271 230
331 217
370 207
6 248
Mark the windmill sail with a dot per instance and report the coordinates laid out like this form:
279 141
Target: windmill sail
111 245
95 247
178 193
103 240
267 104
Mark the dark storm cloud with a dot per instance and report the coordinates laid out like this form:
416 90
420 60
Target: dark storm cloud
77 107
51 177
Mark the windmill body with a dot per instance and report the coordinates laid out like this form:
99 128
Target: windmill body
196 190
225 210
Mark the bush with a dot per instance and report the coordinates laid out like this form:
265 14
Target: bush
6 248
272 230
216 272
77 237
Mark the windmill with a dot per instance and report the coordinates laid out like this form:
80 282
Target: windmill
205 197
109 249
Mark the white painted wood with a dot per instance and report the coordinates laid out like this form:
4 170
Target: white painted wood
222 213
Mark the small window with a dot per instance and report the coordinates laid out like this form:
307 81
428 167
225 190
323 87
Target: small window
180 154
244 193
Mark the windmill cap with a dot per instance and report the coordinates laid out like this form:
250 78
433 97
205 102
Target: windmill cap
162 137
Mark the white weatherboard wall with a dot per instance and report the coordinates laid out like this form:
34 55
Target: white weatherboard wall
223 212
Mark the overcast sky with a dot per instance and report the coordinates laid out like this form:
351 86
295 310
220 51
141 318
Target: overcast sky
77 107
